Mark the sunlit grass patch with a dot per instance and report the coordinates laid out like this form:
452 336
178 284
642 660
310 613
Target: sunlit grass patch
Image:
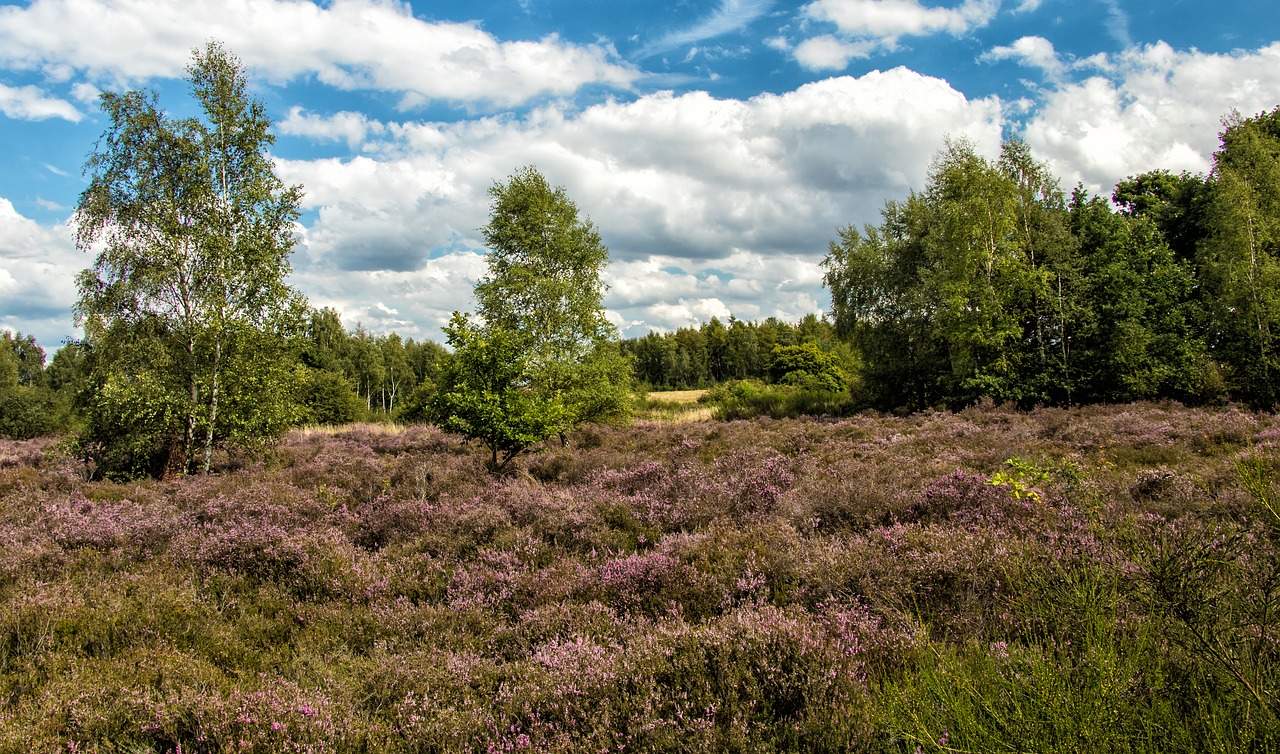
674 407
384 428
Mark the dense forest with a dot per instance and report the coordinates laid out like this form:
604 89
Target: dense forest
990 282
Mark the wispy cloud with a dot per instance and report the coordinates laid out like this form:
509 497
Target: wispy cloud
1118 23
730 16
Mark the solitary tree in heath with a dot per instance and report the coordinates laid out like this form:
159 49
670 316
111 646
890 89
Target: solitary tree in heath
543 358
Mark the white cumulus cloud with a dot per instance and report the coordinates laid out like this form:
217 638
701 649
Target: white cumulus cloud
353 128
887 20
1152 107
38 266
830 53
31 103
348 44
700 199
1036 52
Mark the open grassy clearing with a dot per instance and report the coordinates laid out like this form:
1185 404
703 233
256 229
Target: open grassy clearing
1101 579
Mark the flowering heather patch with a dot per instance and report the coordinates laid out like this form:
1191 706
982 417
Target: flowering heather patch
1105 576
16 453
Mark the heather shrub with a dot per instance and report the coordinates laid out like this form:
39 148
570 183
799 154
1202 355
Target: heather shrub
1097 579
144 528
831 499
24 452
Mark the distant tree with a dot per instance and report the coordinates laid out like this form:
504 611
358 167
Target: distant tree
398 377
28 357
366 368
192 231
28 408
323 343
9 365
653 357
809 367
541 310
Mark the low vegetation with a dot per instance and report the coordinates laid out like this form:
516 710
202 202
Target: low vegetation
1094 579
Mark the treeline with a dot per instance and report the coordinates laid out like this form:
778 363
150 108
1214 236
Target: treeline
327 375
358 375
692 358
991 282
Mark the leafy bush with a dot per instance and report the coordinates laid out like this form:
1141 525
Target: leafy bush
747 399
27 412
327 399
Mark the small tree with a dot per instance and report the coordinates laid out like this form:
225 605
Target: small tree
544 359
808 367
193 232
487 396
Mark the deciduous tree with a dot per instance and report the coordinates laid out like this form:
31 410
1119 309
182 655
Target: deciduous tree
543 350
192 231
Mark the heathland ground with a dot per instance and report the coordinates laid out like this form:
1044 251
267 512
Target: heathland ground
1095 579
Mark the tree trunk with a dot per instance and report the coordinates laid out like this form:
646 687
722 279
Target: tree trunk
213 405
189 433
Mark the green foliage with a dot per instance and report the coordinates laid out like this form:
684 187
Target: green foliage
747 399
1175 203
130 399
28 407
1240 257
327 398
990 284
544 290
485 394
544 360
543 284
1135 312
384 371
24 356
193 232
28 412
806 366
692 358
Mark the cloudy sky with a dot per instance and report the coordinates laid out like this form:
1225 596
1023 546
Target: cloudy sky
716 144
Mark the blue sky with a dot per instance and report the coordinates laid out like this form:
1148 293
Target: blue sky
716 144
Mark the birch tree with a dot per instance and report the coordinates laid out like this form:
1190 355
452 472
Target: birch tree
192 232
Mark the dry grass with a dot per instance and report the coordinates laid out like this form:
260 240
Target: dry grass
381 428
677 396
674 407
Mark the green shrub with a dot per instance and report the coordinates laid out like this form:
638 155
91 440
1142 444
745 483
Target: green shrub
28 412
747 399
327 398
